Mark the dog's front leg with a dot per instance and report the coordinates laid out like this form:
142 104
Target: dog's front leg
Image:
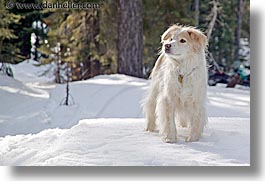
166 118
198 119
149 107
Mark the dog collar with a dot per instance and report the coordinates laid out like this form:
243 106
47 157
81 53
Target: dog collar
181 76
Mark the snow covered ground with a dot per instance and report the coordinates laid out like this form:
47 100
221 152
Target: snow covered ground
105 125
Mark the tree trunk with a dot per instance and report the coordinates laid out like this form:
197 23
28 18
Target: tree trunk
238 28
58 69
92 30
96 65
197 12
214 14
67 92
130 38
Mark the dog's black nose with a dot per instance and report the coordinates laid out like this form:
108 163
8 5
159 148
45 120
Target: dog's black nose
167 46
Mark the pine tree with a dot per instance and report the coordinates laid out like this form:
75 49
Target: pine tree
238 28
222 41
77 31
25 28
8 50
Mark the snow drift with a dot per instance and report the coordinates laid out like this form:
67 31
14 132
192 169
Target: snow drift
105 125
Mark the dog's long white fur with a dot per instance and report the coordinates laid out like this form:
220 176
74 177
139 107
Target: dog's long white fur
170 102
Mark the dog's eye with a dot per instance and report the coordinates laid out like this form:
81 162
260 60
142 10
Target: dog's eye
171 39
182 41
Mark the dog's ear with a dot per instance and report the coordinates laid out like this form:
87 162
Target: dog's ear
198 37
167 33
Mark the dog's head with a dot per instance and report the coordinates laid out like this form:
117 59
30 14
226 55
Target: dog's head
181 41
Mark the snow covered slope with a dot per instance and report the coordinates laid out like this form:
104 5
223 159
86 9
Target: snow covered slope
105 125
122 141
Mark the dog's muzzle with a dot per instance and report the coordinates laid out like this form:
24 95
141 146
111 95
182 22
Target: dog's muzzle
167 48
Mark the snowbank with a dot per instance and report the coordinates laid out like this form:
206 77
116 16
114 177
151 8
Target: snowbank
114 142
36 130
31 71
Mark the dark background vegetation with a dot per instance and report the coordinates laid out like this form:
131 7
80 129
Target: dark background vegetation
120 36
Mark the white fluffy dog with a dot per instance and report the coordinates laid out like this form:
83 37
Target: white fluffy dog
177 92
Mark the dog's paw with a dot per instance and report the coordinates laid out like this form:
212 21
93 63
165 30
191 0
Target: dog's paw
169 140
149 129
192 138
